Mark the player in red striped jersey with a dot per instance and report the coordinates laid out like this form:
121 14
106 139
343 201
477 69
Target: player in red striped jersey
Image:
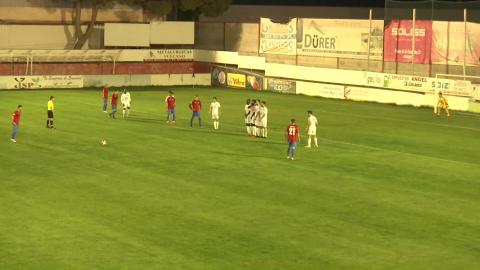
170 104
293 136
105 97
114 104
196 107
16 122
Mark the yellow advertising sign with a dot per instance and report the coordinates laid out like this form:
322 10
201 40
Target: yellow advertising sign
236 80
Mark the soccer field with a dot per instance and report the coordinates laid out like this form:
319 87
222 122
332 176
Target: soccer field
389 187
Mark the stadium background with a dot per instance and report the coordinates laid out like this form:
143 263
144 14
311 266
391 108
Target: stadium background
38 38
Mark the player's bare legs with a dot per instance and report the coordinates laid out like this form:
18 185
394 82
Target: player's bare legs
309 142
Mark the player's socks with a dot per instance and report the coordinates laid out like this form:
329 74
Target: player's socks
288 152
48 123
309 144
315 140
293 153
123 113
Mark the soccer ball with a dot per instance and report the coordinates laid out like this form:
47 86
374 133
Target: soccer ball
104 142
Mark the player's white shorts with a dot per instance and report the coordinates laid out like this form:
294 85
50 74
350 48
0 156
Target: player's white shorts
215 116
258 123
312 131
126 105
264 123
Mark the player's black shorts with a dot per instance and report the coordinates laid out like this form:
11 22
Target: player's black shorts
50 114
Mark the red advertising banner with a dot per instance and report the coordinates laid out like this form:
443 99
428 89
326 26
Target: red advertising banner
449 43
398 41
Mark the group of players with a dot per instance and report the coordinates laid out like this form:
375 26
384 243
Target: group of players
256 116
170 104
125 98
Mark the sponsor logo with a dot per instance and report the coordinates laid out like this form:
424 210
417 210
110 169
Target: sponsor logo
169 55
21 84
419 32
319 42
222 78
280 85
419 79
236 80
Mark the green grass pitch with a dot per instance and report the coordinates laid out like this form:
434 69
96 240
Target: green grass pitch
389 188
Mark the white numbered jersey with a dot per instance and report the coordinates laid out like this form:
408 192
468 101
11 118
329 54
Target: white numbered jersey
126 98
312 121
215 107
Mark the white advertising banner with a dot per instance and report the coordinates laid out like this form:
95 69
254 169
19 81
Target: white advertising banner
41 82
169 55
277 37
321 90
385 96
340 38
420 84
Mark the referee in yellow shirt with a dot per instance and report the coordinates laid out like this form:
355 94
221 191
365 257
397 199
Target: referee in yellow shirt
50 109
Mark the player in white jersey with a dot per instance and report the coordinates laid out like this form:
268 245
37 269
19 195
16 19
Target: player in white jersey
254 116
259 120
247 115
215 111
126 101
264 111
312 129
